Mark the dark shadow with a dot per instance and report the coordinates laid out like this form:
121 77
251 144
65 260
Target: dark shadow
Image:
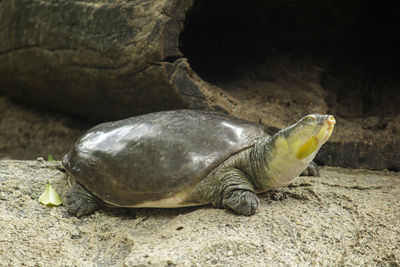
355 43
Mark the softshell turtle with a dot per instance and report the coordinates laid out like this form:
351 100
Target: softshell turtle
185 158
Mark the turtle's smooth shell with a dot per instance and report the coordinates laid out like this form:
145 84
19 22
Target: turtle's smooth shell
157 155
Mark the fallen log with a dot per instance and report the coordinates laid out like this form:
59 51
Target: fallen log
100 60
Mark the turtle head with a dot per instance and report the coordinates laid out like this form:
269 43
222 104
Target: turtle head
306 136
292 149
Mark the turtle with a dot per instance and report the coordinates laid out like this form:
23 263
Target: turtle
183 158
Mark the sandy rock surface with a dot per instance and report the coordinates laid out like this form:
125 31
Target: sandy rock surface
28 133
345 217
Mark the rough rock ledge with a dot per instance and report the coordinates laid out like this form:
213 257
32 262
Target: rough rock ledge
345 217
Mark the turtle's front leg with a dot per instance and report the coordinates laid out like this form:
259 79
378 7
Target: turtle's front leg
228 188
243 202
311 170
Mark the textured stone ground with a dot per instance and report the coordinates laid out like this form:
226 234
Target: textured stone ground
28 133
346 217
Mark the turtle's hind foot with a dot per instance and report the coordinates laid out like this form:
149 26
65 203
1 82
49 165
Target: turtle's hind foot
80 201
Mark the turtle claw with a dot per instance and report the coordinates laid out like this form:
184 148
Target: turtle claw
312 170
243 202
80 201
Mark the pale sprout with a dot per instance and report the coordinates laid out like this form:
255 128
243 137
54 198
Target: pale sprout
50 197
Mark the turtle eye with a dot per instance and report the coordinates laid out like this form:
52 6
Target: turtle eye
309 119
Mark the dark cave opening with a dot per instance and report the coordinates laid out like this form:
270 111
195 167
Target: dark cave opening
355 45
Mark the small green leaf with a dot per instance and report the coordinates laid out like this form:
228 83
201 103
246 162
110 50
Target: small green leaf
50 158
50 196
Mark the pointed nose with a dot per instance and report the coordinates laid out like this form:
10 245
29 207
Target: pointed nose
331 120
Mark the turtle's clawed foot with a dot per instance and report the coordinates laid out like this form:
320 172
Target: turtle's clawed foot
311 170
80 201
243 202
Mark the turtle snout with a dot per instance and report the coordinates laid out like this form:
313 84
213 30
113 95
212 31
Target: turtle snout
331 120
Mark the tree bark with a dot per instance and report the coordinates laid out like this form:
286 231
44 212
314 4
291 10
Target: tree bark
98 59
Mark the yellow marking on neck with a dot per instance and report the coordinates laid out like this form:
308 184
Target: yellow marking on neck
308 148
